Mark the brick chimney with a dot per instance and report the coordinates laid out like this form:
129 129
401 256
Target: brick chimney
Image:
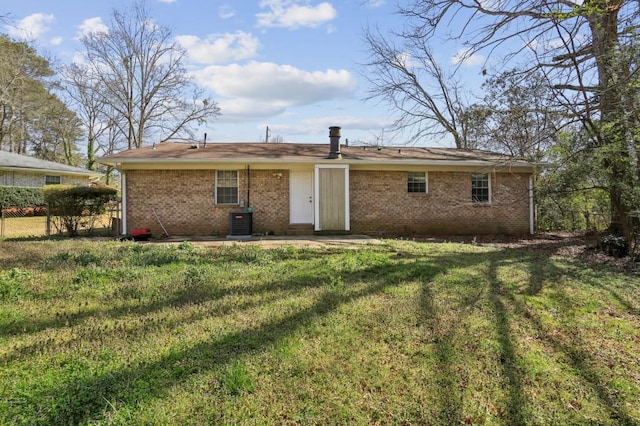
334 143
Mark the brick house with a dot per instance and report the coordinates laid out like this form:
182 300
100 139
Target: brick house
25 171
195 189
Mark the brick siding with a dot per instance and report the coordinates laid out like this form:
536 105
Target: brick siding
184 201
379 203
269 198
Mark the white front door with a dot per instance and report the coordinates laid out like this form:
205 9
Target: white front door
301 197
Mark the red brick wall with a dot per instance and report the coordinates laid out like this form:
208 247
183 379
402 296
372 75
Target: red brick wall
184 201
269 198
380 203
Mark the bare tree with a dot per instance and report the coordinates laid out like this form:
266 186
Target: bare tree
426 100
518 115
54 130
85 91
586 50
142 77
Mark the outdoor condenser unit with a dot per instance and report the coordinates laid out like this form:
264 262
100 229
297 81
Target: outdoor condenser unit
240 223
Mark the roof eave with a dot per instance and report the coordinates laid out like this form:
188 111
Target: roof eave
117 162
42 170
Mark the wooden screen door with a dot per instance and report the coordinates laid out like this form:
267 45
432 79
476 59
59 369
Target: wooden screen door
332 199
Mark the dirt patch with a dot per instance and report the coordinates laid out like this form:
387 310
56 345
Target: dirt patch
568 245
278 241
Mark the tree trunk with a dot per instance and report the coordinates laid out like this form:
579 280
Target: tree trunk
91 152
603 22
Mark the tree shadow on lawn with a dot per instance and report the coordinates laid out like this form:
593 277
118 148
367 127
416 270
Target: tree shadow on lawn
507 307
183 296
85 398
564 340
184 293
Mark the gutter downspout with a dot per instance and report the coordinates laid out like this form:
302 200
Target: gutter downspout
248 186
123 185
531 207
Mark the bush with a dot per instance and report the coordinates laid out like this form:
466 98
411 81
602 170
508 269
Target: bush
16 196
77 206
614 245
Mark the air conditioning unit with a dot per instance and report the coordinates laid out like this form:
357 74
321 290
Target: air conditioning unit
240 223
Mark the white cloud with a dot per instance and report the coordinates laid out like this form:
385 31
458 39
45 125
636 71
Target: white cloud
290 14
92 25
31 27
56 41
219 48
405 60
267 89
78 58
375 3
541 46
242 109
226 11
167 1
355 130
347 122
466 58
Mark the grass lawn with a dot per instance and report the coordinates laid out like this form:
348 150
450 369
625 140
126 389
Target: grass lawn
29 226
398 333
36 226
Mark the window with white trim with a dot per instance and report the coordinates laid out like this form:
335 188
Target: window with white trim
226 187
417 182
52 180
480 188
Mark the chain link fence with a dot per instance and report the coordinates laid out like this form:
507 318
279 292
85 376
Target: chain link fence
40 221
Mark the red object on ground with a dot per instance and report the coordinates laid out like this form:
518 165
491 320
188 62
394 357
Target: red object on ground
141 234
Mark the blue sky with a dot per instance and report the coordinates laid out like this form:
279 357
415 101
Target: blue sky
292 65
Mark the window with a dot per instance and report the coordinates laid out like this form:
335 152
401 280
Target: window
417 182
480 192
227 187
52 180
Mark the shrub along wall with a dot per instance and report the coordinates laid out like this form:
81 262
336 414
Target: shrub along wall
16 196
77 206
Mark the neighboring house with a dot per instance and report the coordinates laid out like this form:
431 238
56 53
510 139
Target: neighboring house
21 170
194 189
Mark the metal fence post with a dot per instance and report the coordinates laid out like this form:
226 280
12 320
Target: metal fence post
48 228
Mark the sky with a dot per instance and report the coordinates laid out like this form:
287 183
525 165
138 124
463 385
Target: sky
295 66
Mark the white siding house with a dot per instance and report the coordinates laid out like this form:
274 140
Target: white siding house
21 170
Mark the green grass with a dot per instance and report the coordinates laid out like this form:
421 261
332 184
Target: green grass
401 333
36 226
30 226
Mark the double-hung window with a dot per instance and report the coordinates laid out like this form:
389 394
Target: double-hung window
52 180
417 182
227 187
480 188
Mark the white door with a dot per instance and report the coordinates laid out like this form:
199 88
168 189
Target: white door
301 197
